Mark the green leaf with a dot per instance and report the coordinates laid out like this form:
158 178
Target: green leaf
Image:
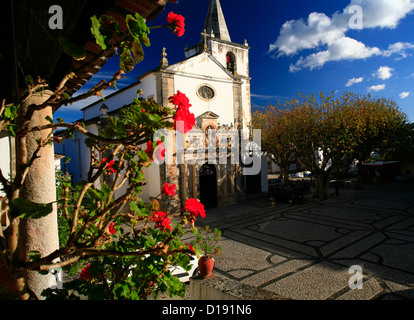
10 112
138 28
133 206
126 62
11 130
184 262
137 51
71 49
29 80
95 29
48 118
34 255
66 96
24 209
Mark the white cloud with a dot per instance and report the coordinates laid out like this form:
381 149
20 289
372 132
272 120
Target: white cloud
354 81
328 35
383 13
400 48
264 97
377 88
341 49
297 35
383 73
404 95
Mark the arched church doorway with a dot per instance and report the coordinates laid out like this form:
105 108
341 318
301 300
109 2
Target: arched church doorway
208 186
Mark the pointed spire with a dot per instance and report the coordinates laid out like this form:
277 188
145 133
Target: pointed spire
215 22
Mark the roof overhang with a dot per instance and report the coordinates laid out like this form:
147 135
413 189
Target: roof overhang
31 47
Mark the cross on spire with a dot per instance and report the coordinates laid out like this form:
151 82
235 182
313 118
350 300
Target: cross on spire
205 35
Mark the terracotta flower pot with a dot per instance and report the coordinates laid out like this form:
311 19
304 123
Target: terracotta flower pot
206 266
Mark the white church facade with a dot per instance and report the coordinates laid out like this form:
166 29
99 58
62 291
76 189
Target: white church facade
215 77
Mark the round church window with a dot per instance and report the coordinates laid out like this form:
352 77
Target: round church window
206 92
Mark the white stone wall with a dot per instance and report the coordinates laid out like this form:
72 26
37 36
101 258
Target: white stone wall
5 158
201 70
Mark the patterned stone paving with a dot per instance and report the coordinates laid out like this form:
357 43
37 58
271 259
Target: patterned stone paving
305 251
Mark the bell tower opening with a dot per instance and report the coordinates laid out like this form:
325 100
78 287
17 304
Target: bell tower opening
231 62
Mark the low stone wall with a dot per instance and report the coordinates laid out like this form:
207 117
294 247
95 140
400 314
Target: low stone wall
219 288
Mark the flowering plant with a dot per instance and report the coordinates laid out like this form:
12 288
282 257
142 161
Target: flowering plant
184 120
194 208
176 23
206 242
168 190
113 247
107 166
123 264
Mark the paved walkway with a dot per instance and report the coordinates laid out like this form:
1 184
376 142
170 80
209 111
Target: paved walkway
305 251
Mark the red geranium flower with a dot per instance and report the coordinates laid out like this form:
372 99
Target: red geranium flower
160 151
150 149
180 100
195 208
168 190
108 166
161 220
111 228
184 120
190 247
176 23
85 274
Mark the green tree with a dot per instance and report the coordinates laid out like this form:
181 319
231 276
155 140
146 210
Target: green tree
272 121
327 134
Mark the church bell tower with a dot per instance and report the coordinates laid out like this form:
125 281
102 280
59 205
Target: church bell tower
233 57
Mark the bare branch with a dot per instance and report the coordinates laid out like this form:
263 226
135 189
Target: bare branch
77 207
127 140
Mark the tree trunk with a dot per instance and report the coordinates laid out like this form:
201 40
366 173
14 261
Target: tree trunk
321 184
284 172
40 187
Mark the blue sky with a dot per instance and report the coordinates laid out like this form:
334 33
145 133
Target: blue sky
298 45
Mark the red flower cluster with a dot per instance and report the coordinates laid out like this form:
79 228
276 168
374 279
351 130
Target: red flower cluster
85 274
180 100
168 190
184 120
190 248
176 23
159 150
195 208
112 230
108 166
161 220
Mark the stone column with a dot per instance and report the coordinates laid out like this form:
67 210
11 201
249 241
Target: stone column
40 187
